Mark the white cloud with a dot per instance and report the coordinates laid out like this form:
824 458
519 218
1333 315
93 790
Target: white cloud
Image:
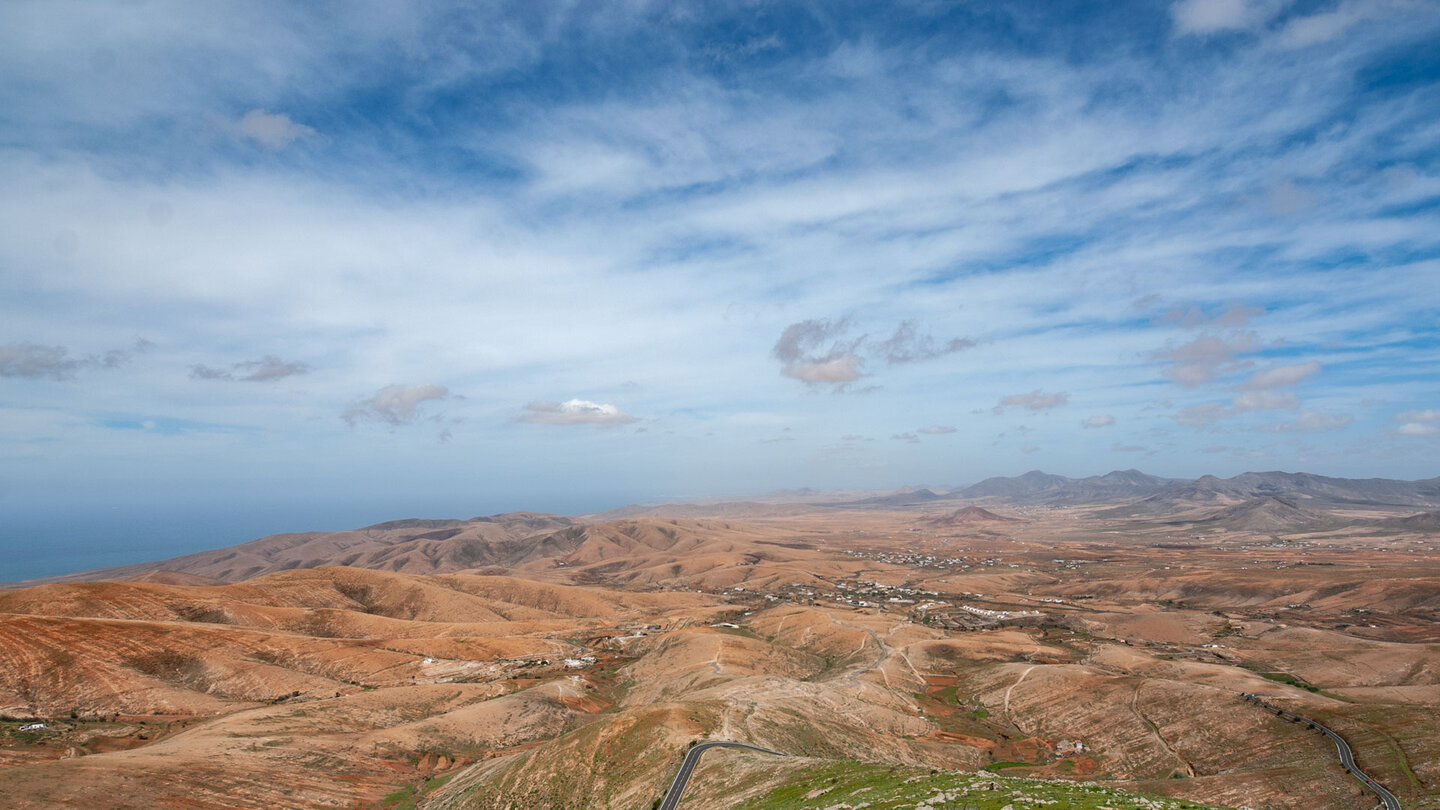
936 430
395 404
574 412
273 130
1105 420
1418 429
1432 415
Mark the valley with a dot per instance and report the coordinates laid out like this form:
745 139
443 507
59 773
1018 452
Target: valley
1045 636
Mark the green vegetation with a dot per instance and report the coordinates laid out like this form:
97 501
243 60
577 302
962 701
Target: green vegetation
881 787
408 797
1287 678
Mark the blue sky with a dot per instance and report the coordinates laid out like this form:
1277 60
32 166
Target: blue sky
309 264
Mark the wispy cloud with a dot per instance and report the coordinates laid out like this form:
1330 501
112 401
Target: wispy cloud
35 361
1213 16
827 352
908 345
1282 376
1036 400
936 430
266 369
1311 421
1204 358
272 130
395 404
814 352
1104 420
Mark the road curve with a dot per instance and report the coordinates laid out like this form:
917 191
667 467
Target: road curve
1347 757
692 758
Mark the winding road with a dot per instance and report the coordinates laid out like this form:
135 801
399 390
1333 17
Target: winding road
1347 757
692 758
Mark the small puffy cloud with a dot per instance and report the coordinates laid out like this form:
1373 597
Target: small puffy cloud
936 430
1207 356
906 437
1282 376
266 369
273 130
395 404
1036 400
823 352
1212 16
842 369
814 352
574 412
1418 422
1310 421
34 361
907 345
1104 420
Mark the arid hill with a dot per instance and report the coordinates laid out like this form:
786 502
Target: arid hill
969 514
539 661
1425 523
1268 514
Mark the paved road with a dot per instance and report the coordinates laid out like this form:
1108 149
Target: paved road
677 787
1347 757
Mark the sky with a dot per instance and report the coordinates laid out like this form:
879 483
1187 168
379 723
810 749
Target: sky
290 266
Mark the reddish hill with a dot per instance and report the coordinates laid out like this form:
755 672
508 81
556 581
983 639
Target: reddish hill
970 514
